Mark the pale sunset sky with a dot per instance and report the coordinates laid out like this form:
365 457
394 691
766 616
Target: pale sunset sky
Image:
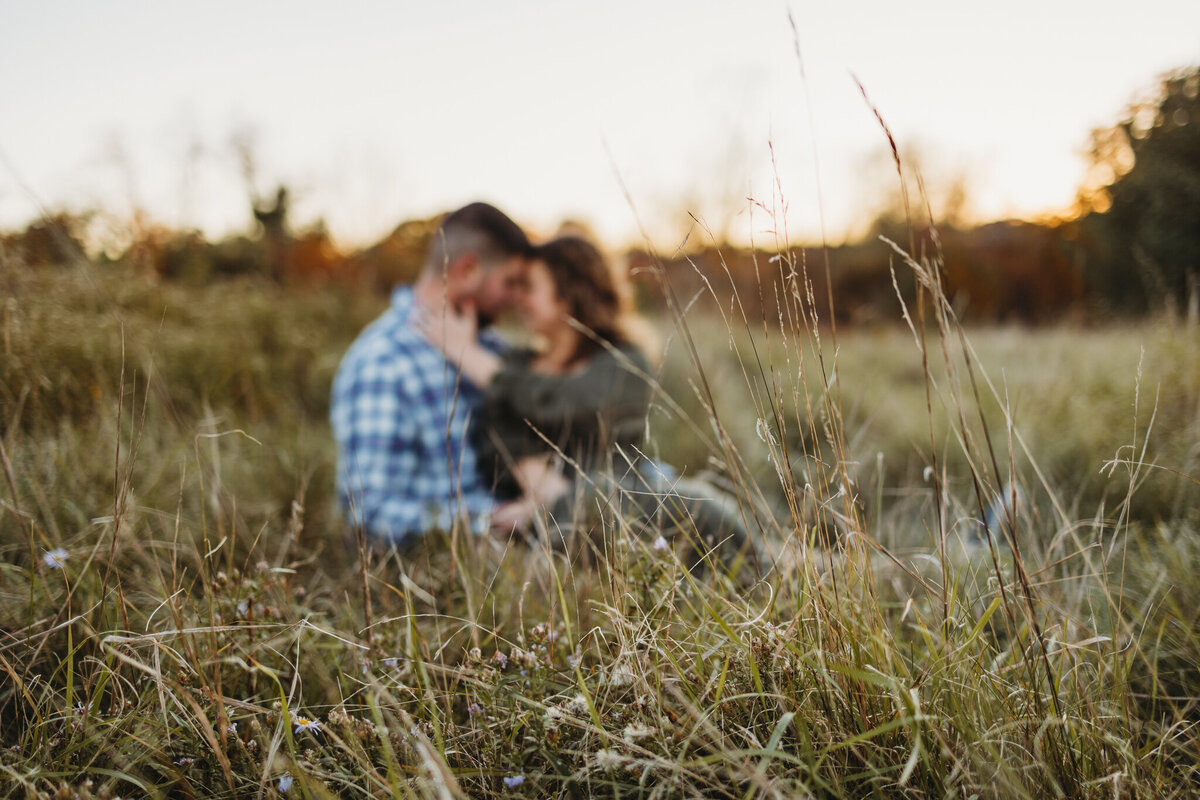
374 112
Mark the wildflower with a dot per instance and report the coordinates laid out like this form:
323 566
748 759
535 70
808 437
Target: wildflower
474 709
525 658
573 660
514 781
56 558
285 782
185 762
83 708
499 659
391 662
660 543
231 729
307 724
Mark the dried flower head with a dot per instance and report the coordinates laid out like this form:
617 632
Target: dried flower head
578 705
637 731
609 760
621 675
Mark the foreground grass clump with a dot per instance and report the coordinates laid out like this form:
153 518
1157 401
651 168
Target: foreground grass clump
182 614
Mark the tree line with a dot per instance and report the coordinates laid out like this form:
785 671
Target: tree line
1131 248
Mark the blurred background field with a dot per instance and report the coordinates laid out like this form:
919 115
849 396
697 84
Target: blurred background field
250 355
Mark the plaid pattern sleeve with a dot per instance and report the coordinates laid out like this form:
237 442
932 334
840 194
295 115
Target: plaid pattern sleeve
399 414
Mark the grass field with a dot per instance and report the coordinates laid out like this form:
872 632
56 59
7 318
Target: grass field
182 615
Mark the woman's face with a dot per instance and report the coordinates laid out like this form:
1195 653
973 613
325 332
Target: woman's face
540 306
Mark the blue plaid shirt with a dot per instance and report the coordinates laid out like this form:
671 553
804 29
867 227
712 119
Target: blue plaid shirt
399 415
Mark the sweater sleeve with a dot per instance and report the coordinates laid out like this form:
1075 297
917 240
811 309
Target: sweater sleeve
604 402
607 386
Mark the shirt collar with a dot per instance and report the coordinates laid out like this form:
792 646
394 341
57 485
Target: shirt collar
402 300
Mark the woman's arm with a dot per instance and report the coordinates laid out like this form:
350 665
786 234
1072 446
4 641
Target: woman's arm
612 385
456 334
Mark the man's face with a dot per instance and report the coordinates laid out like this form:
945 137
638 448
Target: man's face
497 287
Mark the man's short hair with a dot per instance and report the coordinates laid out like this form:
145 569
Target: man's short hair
482 228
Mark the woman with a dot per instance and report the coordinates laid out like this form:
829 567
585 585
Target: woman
565 419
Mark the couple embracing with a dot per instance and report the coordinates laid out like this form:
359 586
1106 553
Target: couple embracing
439 421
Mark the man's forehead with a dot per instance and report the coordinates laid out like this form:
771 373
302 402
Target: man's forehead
515 265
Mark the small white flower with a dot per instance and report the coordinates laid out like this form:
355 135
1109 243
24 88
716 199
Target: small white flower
660 544
56 558
185 762
285 782
231 729
307 724
927 474
514 781
391 662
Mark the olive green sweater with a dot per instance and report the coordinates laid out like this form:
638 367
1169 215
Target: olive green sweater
581 414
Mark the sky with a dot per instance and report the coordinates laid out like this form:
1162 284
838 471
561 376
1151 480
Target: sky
637 117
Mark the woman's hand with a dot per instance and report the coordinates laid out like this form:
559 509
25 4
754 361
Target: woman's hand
539 477
456 334
452 331
542 485
511 516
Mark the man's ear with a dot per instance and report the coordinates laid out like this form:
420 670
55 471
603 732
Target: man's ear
463 267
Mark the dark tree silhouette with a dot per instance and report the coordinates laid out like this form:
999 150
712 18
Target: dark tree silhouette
1143 235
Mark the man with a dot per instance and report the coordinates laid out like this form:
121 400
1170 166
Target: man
400 410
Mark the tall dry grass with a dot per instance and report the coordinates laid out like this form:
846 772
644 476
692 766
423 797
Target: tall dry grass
207 632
